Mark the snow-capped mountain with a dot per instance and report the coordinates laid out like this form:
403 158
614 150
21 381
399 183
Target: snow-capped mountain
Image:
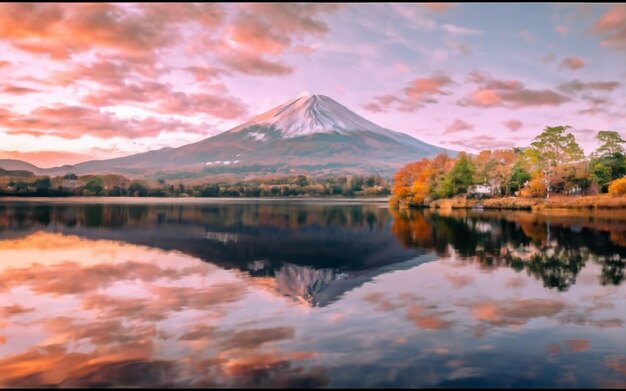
311 114
309 134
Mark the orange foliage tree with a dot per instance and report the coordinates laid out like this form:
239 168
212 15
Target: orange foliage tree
617 187
411 183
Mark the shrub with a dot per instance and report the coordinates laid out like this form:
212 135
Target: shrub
617 187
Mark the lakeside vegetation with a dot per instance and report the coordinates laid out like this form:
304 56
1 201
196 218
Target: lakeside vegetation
552 172
26 184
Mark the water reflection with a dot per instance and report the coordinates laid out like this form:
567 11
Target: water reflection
307 249
308 295
553 248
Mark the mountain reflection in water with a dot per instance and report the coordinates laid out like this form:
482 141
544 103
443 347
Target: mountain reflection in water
306 294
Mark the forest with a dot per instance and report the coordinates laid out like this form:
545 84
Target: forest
25 184
553 164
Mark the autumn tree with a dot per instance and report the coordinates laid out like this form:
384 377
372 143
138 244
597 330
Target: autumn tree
439 167
552 148
410 184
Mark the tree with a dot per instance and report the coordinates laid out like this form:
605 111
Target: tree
517 178
552 148
608 161
439 167
137 189
611 143
411 184
42 185
95 186
460 177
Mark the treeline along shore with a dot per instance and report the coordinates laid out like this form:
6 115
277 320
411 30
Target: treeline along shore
551 173
19 183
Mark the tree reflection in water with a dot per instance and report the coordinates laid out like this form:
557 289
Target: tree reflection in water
553 249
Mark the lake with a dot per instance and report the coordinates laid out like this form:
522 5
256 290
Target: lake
308 293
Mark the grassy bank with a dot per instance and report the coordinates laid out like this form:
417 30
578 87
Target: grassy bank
601 201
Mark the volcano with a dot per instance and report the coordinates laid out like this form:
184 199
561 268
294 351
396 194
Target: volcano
311 134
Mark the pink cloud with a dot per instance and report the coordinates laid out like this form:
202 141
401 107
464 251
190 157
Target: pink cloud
72 122
60 31
255 65
304 49
401 67
613 26
415 95
561 29
458 126
269 29
578 345
17 90
572 63
513 124
482 142
439 7
508 93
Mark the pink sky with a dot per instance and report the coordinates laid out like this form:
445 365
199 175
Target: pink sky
94 81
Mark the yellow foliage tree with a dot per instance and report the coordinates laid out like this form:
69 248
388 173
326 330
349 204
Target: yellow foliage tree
617 187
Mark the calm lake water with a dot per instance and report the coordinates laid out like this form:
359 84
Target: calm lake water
308 294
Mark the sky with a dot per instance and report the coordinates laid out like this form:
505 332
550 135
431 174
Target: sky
95 81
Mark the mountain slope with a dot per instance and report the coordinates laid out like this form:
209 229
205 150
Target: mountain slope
310 134
14 164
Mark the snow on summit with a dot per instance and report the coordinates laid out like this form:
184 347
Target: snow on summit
310 114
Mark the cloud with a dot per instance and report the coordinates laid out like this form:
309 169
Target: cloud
578 345
458 126
561 29
508 93
252 339
163 99
252 64
426 318
415 95
459 30
513 124
17 90
72 122
576 86
15 309
304 49
261 29
514 312
60 31
612 25
572 63
439 7
460 281
479 143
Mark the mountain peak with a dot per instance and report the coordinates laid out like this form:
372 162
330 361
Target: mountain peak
310 114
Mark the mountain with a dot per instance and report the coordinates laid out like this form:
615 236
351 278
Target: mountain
19 165
311 134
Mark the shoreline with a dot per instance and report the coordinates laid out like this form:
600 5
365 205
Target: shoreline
189 200
583 203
